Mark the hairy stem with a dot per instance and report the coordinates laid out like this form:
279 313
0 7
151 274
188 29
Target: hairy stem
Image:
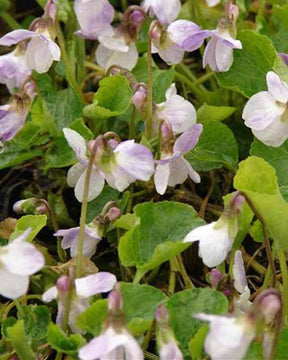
283 266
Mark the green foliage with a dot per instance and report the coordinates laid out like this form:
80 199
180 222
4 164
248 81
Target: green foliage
63 343
214 113
196 344
162 79
258 180
34 222
21 344
216 148
185 304
159 236
251 64
278 27
92 319
113 98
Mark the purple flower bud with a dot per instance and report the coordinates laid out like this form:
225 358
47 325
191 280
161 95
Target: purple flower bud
215 278
115 300
50 10
63 284
30 206
269 303
137 18
140 98
113 214
161 314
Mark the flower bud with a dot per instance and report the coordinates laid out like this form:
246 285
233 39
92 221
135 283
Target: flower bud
63 284
269 304
115 300
137 18
140 98
215 278
31 206
113 214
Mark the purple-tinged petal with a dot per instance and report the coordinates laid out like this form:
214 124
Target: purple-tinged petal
223 56
209 54
69 236
188 140
135 159
16 36
11 124
94 17
166 11
21 257
114 43
95 187
95 284
192 173
12 285
284 57
178 171
170 351
50 294
187 35
172 53
106 58
261 111
161 178
277 89
239 274
77 143
118 178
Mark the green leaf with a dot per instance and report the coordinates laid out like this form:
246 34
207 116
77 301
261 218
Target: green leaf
91 320
282 347
20 342
36 320
214 113
277 157
112 98
162 79
127 222
160 234
6 323
256 232
140 303
35 222
13 155
255 352
278 27
258 180
95 206
79 126
185 304
256 175
63 10
196 344
251 64
216 148
63 343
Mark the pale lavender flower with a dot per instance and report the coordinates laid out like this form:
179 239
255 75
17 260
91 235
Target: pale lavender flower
180 36
219 51
173 168
216 239
120 164
18 260
115 342
70 240
166 11
41 50
179 112
266 112
94 17
13 115
228 337
85 287
284 57
13 69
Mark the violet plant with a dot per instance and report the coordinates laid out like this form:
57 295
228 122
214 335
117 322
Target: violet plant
143 180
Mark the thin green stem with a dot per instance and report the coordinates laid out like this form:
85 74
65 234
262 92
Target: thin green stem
262 7
14 25
191 85
187 281
148 124
68 67
124 5
266 238
150 356
84 206
204 78
138 276
172 276
132 124
148 336
284 272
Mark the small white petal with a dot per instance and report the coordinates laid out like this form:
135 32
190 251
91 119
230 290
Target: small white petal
96 185
13 286
74 174
95 284
276 87
274 134
50 294
77 143
239 274
106 58
161 177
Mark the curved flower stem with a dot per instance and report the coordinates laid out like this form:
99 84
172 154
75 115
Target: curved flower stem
187 281
10 306
148 127
191 85
68 304
266 238
283 266
81 234
172 275
138 276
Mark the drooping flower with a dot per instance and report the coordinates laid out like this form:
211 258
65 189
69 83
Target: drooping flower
171 42
168 348
216 239
240 282
93 232
219 51
41 50
120 164
13 68
228 337
13 115
31 206
166 11
173 168
18 260
115 342
266 112
94 17
85 287
179 112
